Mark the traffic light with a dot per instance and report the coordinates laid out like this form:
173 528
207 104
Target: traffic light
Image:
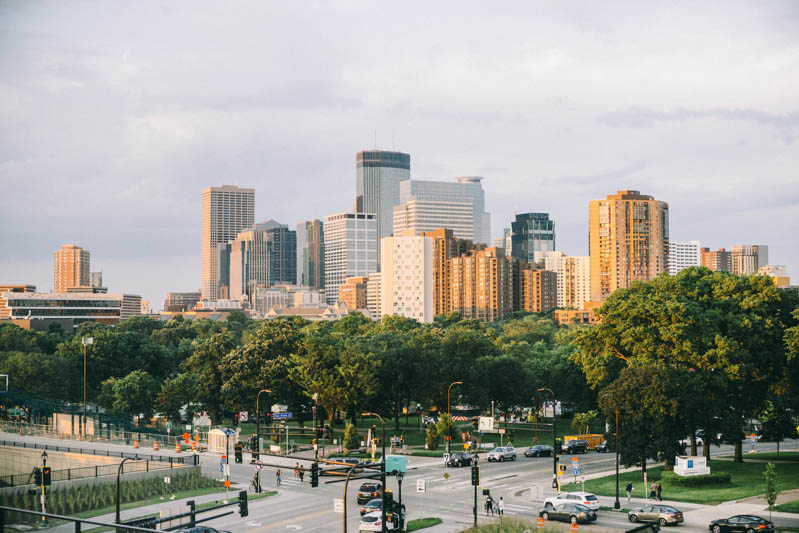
315 475
237 452
254 443
46 477
37 476
475 475
474 424
243 504
235 419
562 468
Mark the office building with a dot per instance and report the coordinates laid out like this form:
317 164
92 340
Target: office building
261 257
373 302
97 279
78 307
226 211
71 268
406 286
683 255
353 293
350 249
181 301
628 241
539 290
5 311
458 205
285 296
532 234
377 180
481 285
779 273
718 261
223 270
311 254
747 258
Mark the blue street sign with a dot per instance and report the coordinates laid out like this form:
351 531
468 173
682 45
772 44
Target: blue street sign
575 470
282 415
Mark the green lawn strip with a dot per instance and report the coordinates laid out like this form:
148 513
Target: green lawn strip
769 456
789 507
746 482
150 501
234 495
510 525
421 523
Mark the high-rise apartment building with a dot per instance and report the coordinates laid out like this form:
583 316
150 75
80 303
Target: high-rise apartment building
779 273
311 254
71 268
377 180
445 247
539 290
373 302
481 284
353 293
628 241
683 255
532 234
747 258
573 278
97 279
261 257
718 261
226 211
459 206
406 285
350 249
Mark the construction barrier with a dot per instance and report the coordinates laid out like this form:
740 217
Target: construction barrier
177 447
155 445
135 444
540 523
193 446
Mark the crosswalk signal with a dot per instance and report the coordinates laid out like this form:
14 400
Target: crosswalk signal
46 476
237 452
475 475
562 468
315 475
37 476
243 511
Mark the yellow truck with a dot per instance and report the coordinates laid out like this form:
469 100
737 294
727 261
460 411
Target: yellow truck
593 439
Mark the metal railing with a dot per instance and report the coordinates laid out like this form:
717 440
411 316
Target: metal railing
84 472
112 436
5 512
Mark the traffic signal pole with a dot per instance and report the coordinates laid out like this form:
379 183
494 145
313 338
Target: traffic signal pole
44 499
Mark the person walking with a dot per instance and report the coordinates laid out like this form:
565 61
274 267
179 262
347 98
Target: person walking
659 490
501 506
652 490
278 473
629 490
296 470
302 473
489 506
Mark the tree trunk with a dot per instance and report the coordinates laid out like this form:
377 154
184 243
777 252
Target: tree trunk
407 410
693 443
739 456
706 448
396 414
778 448
643 467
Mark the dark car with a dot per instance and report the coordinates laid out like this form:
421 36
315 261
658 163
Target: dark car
575 446
743 523
202 529
369 491
603 447
350 461
539 450
661 514
459 459
372 506
569 512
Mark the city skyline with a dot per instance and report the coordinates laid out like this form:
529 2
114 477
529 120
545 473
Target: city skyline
716 142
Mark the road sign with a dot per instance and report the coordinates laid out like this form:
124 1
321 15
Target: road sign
338 505
501 431
259 465
486 423
243 416
446 475
279 416
420 485
396 463
167 480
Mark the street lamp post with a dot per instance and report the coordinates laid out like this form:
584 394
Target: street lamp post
85 341
554 439
44 498
382 467
258 420
449 416
617 505
119 471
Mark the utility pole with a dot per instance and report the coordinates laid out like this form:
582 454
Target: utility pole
449 415
44 499
616 504
554 440
85 341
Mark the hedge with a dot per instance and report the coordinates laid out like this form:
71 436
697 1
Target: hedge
671 478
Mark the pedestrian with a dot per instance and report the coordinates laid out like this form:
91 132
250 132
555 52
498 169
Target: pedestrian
302 473
652 490
277 476
254 482
296 470
659 489
629 490
489 506
501 506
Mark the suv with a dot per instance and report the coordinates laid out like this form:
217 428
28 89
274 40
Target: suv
502 453
369 491
459 459
582 498
575 446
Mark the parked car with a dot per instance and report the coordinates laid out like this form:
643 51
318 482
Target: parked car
373 522
575 446
202 529
583 498
459 459
569 512
369 491
539 450
662 514
371 506
602 447
741 523
502 453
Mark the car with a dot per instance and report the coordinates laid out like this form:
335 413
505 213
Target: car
459 459
373 522
662 514
371 506
602 447
575 446
350 461
741 523
502 453
539 450
202 529
569 512
583 498
369 491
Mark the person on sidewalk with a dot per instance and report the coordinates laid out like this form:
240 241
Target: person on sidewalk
501 507
296 470
629 490
489 506
652 491
302 473
659 489
277 476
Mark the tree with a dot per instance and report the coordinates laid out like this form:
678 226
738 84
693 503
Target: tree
204 368
776 422
445 427
351 440
582 421
135 394
432 437
771 486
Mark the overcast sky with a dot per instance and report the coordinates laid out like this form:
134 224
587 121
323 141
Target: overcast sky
115 115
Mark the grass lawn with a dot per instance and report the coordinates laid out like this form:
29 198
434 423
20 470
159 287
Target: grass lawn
512 525
770 456
421 523
790 507
746 482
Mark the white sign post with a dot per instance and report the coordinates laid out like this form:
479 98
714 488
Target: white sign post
338 506
486 423
421 486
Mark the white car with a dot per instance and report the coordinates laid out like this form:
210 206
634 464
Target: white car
583 498
373 522
502 453
687 441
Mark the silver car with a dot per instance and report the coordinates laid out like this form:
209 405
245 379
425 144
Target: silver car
661 514
502 453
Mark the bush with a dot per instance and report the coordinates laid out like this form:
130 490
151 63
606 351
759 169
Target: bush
675 480
351 440
431 437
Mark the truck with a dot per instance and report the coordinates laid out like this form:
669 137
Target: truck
593 439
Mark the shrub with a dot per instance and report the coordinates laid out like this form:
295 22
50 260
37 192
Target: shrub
351 441
696 481
431 437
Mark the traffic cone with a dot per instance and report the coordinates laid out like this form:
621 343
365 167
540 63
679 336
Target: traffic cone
177 447
135 444
573 528
155 445
193 446
540 523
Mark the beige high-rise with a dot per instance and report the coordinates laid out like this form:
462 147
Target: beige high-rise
481 284
628 241
71 268
227 210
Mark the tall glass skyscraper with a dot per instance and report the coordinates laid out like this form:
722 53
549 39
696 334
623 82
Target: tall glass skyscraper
531 234
377 179
262 256
311 254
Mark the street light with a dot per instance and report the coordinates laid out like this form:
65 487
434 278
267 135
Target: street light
44 498
85 341
119 471
554 439
617 505
258 420
449 416
382 468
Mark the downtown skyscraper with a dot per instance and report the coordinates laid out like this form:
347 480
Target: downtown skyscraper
226 211
70 268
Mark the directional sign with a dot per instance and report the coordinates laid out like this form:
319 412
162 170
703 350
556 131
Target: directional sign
486 423
243 416
259 465
420 485
278 416
338 505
